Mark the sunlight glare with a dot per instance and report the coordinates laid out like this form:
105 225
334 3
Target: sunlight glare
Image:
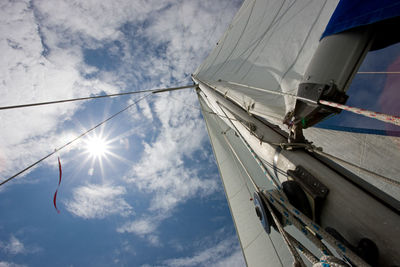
97 147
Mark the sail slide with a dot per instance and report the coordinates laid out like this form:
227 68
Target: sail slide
247 87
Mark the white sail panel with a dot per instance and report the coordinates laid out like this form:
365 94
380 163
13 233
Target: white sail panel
268 46
259 249
376 153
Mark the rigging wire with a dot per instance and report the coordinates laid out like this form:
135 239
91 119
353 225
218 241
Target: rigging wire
247 187
276 198
314 149
378 72
371 114
153 91
202 110
297 260
244 168
75 139
367 113
376 175
233 152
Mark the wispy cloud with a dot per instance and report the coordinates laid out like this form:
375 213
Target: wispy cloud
145 227
162 169
140 227
224 253
98 201
13 246
156 43
10 264
168 168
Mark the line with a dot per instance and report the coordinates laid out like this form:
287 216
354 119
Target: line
73 140
154 91
378 72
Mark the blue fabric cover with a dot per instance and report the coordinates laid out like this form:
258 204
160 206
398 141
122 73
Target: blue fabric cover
353 13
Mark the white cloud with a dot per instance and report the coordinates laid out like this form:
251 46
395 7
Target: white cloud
161 169
30 74
98 201
225 253
14 246
140 227
146 110
43 58
145 227
234 260
124 142
10 264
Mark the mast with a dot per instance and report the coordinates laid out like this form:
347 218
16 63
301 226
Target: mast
348 209
272 68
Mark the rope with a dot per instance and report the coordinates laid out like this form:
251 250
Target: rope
247 187
378 72
275 196
339 247
315 240
296 257
308 254
330 261
73 140
371 114
154 91
255 156
273 92
367 113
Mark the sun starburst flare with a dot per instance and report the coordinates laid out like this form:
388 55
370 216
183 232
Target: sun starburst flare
97 147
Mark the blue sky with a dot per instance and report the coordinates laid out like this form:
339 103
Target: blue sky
156 198
376 92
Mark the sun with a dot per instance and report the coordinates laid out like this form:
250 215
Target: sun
97 147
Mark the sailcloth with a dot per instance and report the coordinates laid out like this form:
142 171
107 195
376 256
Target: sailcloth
260 59
267 46
231 155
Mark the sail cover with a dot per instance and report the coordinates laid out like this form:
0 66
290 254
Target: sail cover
355 13
267 47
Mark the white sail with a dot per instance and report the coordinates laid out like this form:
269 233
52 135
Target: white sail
266 52
375 153
268 46
259 249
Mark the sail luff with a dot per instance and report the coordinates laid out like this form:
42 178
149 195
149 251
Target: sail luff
272 45
355 221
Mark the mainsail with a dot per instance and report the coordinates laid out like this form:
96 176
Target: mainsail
247 87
